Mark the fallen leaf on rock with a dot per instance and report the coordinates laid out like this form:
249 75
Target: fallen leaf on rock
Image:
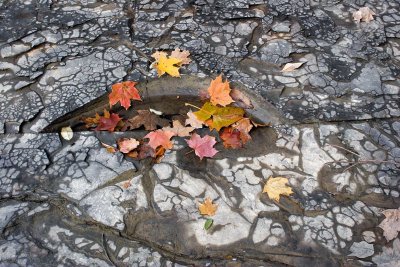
219 92
126 184
110 149
108 122
292 66
178 129
126 145
231 138
123 93
167 65
391 224
363 14
275 187
193 121
241 100
207 207
202 146
145 118
160 151
208 223
220 116
182 55
160 138
67 133
158 54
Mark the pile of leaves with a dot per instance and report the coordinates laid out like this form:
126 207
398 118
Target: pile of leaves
222 112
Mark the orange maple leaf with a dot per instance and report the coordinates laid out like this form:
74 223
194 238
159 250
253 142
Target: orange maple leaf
123 93
219 92
207 207
160 138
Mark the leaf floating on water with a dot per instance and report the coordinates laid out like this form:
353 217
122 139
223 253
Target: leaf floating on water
67 133
275 187
160 138
203 146
208 224
292 66
123 93
220 116
193 121
145 118
178 129
207 207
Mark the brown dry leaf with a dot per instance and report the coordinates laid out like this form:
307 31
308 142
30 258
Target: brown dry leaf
110 149
275 187
244 126
219 92
145 118
363 14
207 207
193 121
391 224
241 100
182 55
178 129
292 66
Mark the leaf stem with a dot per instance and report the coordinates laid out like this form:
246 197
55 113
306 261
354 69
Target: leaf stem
191 105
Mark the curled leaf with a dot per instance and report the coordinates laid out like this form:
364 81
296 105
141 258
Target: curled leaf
208 223
292 66
110 149
67 133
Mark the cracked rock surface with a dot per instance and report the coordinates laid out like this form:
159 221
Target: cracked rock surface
70 203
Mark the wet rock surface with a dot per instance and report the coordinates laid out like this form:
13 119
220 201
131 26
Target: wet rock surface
67 203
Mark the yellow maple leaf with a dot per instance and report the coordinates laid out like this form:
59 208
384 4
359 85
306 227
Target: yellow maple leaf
163 65
207 207
275 187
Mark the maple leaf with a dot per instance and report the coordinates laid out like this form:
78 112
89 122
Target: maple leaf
108 122
292 66
126 145
244 126
220 116
156 55
110 149
178 129
241 100
207 207
275 187
123 93
193 121
182 55
93 121
231 138
160 138
145 118
363 14
219 92
391 224
203 146
166 65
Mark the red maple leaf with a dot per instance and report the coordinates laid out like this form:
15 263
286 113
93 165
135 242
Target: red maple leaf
231 138
203 146
108 124
160 138
123 93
